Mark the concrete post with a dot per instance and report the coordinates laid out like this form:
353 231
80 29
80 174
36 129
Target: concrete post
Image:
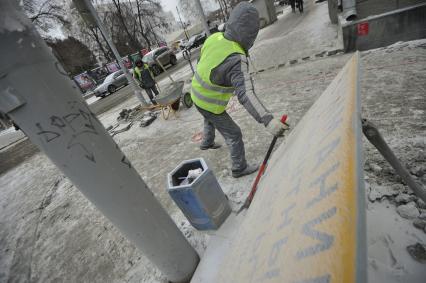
203 17
37 94
349 10
91 17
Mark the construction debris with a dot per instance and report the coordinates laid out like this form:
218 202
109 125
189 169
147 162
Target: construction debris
122 129
148 118
405 198
378 192
418 252
420 224
408 210
127 117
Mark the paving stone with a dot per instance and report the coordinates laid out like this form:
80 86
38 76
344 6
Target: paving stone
418 252
419 223
408 211
378 192
405 198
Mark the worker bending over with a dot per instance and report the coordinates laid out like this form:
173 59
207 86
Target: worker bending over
222 71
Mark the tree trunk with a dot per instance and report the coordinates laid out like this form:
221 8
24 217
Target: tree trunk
135 44
148 42
107 54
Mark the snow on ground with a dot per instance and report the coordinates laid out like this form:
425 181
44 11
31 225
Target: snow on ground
50 232
295 36
92 99
393 97
10 136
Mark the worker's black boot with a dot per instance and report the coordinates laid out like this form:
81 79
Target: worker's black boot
213 146
250 169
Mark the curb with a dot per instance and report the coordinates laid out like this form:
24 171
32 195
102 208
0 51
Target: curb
326 53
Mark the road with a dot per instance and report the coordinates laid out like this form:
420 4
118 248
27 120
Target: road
10 136
100 105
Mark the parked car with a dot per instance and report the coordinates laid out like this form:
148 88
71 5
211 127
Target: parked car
111 83
196 40
283 2
182 44
163 54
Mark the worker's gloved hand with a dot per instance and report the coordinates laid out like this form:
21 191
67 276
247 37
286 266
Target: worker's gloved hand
276 127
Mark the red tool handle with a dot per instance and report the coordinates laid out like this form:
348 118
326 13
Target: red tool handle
262 167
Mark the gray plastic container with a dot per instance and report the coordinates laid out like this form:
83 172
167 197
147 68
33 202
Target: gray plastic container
202 202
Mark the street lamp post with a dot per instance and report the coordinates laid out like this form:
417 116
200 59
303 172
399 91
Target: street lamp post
50 110
202 16
153 32
183 26
88 13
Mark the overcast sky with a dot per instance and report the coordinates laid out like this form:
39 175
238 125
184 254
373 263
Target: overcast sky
170 5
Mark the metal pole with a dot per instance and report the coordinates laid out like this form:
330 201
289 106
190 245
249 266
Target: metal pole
349 12
374 136
183 26
153 32
38 95
90 15
187 56
164 70
203 17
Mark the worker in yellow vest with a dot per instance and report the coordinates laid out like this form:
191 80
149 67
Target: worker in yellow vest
143 74
222 71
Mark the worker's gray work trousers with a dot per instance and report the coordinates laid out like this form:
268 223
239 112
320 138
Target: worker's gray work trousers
149 91
230 132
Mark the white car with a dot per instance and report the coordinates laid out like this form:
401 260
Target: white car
111 83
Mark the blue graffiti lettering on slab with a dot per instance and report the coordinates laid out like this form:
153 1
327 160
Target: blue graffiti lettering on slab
326 240
324 191
287 220
322 279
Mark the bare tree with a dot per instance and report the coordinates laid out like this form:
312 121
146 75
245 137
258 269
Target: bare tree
132 25
74 55
101 43
148 19
136 20
45 14
122 13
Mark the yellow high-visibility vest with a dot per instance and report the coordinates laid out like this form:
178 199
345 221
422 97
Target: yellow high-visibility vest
205 94
138 73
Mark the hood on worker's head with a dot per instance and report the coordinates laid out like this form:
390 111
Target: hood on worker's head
243 25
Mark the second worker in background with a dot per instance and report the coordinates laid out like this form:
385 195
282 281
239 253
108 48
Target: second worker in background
143 74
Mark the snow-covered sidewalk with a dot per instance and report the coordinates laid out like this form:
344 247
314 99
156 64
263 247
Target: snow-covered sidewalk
50 232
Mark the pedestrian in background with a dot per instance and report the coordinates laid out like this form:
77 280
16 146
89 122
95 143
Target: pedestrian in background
293 5
143 74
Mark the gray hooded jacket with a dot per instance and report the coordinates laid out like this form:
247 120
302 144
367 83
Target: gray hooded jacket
242 27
